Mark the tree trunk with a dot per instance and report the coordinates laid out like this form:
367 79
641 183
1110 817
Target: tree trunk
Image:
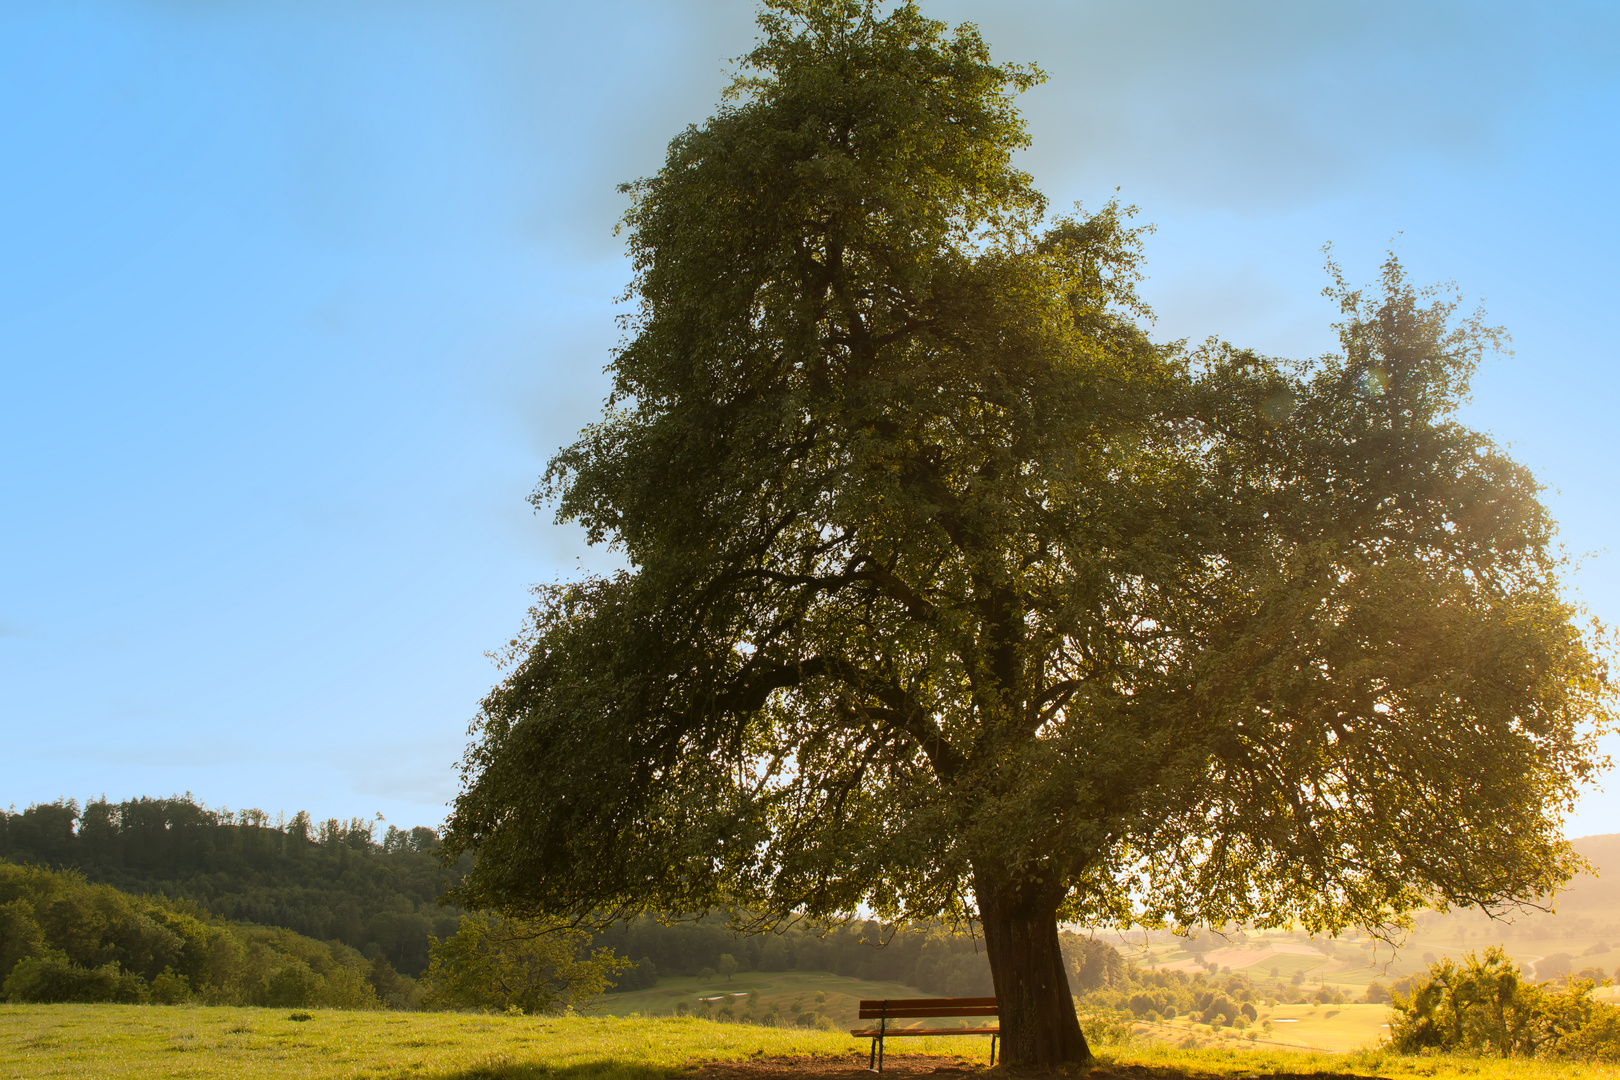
1038 1025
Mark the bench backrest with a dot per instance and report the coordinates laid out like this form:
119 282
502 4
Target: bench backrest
906 1008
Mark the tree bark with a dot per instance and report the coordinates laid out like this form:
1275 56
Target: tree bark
1038 1026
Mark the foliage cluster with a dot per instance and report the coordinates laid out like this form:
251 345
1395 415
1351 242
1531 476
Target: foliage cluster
1225 999
329 880
510 965
1485 1005
65 939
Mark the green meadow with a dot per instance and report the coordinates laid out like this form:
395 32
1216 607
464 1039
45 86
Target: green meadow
46 1042
56 1042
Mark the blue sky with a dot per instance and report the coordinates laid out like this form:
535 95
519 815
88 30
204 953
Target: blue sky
298 298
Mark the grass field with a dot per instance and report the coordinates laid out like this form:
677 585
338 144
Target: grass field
55 1042
1173 1063
45 1042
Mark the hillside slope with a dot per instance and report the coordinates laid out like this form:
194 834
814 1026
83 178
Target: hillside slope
64 939
327 880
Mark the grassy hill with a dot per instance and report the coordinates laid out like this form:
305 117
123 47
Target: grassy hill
1582 934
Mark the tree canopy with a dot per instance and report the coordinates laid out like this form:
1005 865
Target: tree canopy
951 592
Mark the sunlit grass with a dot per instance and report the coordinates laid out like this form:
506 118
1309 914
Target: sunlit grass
43 1042
47 1042
1173 1062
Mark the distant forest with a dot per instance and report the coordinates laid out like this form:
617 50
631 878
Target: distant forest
932 959
330 880
341 882
65 939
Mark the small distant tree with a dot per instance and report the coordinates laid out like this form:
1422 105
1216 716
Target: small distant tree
497 963
728 965
1093 964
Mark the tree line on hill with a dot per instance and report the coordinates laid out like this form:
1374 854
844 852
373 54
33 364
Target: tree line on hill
928 957
329 880
340 882
63 938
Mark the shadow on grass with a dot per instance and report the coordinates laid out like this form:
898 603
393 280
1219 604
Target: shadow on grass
829 1068
608 1069
1177 1072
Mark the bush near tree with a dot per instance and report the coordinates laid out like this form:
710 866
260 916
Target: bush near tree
1484 1005
509 965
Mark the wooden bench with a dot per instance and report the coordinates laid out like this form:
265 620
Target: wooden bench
914 1008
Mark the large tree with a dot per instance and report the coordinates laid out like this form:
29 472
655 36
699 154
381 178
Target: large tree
950 593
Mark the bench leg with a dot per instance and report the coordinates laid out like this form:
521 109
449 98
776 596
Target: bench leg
871 1060
880 1053
993 1039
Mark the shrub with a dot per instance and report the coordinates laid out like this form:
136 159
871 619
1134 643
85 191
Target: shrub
170 989
53 979
493 963
1483 1005
346 988
294 984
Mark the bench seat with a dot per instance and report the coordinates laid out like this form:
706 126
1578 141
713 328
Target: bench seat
885 1010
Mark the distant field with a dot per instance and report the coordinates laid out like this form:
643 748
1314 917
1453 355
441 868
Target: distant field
783 989
1334 1028
1385 964
1585 927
